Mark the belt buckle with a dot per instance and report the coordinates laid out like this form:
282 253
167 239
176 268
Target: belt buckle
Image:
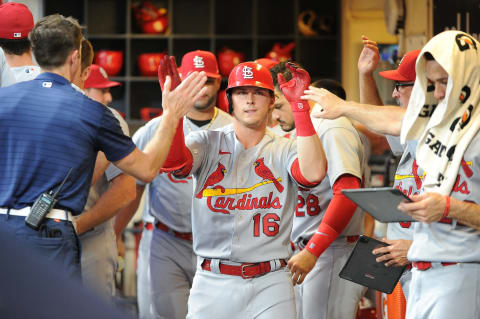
243 266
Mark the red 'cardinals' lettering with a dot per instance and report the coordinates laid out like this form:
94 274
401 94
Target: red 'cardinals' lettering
214 178
226 204
264 172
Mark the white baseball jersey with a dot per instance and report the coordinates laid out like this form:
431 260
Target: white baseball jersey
345 155
6 75
242 207
26 73
408 178
447 240
168 197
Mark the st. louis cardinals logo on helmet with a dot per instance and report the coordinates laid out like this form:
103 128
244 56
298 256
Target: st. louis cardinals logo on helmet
247 72
198 62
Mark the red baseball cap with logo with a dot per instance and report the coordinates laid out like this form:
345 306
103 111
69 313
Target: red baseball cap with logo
16 21
98 79
200 61
406 69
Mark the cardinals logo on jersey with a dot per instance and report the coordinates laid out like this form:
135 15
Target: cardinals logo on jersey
265 173
214 178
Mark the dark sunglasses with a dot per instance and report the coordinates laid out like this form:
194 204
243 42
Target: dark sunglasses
400 84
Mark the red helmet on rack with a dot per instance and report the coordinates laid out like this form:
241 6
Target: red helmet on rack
248 74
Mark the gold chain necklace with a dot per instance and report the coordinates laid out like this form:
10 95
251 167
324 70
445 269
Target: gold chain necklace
186 120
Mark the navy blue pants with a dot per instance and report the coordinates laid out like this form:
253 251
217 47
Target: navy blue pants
56 241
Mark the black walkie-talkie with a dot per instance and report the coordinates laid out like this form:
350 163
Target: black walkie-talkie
43 205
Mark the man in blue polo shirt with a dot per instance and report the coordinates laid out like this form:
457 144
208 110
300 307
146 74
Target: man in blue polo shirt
47 128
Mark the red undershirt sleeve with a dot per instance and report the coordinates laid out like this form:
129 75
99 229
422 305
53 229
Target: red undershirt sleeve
179 159
338 215
297 175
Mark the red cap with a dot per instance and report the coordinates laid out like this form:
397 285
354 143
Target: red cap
98 79
16 21
406 69
250 74
200 61
268 63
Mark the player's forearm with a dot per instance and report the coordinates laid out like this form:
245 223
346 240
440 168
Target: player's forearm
379 119
120 193
126 213
368 90
146 165
311 158
465 212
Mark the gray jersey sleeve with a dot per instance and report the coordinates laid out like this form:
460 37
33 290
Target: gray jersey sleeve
112 171
143 135
6 75
342 149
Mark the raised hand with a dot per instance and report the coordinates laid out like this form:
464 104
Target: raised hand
293 89
180 100
168 67
368 59
332 106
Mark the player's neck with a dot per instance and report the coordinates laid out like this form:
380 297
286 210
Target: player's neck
201 115
19 60
249 137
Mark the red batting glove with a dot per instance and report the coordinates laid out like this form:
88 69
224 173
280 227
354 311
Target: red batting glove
293 90
168 67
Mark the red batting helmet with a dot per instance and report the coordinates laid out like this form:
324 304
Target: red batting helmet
248 74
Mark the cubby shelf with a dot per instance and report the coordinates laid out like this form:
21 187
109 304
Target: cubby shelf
249 26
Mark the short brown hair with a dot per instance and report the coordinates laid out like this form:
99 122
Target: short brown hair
87 54
53 38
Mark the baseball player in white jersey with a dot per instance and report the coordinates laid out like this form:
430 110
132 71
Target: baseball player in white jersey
409 175
245 182
167 210
441 116
16 21
318 296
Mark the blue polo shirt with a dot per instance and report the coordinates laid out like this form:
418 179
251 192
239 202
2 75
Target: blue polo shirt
46 128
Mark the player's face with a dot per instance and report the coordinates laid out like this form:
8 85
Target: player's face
100 95
210 97
251 106
282 112
401 93
438 78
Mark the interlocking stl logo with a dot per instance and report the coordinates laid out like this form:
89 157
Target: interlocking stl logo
198 62
247 72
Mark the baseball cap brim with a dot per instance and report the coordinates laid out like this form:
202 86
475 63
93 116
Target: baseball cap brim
102 85
395 76
208 74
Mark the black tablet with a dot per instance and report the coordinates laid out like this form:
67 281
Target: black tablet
362 268
380 202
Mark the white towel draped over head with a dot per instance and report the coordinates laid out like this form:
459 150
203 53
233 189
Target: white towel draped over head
444 134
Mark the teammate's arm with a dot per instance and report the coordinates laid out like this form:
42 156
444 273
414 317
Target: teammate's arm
379 119
337 216
367 63
119 194
431 207
311 157
146 165
126 213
